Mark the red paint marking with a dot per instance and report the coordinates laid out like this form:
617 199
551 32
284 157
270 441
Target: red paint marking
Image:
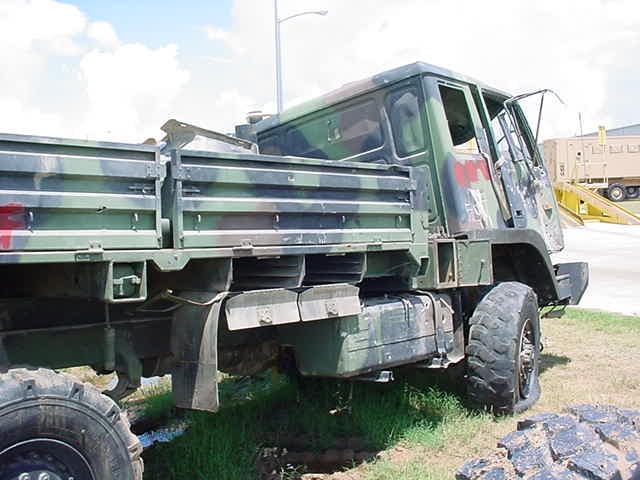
459 174
11 218
470 168
467 172
482 166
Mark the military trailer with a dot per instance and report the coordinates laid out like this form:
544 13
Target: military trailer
406 219
612 169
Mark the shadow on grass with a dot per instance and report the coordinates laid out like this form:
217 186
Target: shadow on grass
549 361
314 418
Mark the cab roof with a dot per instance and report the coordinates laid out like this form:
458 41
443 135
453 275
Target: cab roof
359 87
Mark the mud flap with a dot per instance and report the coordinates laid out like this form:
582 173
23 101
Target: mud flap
194 344
573 279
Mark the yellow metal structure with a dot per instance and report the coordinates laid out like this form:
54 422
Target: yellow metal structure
578 201
568 218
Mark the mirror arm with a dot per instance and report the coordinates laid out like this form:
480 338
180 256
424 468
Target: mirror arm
539 118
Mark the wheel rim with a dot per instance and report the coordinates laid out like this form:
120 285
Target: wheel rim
44 459
526 359
616 193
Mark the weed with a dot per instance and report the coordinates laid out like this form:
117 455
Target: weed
158 402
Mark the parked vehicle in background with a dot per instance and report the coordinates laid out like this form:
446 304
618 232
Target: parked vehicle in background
406 219
612 169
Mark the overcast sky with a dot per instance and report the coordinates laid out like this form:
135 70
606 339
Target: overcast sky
118 69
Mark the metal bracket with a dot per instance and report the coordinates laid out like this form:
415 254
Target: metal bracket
245 247
94 253
382 376
155 171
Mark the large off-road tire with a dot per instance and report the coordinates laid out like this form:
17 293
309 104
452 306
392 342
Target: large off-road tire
616 192
595 442
504 349
52 426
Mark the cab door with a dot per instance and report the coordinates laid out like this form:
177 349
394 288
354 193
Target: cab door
523 171
466 177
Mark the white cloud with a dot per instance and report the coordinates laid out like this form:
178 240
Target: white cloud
103 34
215 33
130 90
22 118
584 50
52 84
228 38
44 25
31 33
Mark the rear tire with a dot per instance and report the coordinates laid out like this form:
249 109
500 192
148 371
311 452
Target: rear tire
503 350
52 424
633 192
616 192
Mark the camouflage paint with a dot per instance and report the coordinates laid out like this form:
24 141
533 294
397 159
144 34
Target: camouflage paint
69 194
371 214
469 193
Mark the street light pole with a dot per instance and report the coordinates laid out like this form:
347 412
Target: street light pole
277 22
278 59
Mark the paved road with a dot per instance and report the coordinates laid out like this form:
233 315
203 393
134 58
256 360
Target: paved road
613 253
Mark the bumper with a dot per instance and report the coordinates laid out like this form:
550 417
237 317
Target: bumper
573 279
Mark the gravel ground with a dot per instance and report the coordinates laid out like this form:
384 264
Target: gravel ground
613 253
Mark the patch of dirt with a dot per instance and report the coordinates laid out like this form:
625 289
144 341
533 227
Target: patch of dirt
579 365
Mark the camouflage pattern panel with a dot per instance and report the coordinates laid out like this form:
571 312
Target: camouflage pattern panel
250 201
387 124
390 331
353 130
525 179
547 212
58 194
461 151
357 88
458 183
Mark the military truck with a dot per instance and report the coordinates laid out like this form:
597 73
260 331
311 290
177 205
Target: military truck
406 219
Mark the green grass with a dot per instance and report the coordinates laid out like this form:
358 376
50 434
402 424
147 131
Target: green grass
158 404
602 321
420 411
315 413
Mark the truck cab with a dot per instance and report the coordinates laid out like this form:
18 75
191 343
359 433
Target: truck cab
485 176
475 144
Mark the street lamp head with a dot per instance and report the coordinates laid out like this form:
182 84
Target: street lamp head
313 12
278 21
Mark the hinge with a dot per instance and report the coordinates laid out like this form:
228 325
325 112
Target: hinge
245 247
94 253
155 170
182 173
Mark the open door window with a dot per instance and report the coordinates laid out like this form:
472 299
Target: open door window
530 192
472 203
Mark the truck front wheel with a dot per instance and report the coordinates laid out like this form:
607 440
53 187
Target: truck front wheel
55 427
503 349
